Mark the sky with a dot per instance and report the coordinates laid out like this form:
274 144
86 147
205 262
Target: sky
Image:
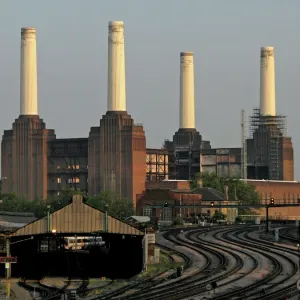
225 37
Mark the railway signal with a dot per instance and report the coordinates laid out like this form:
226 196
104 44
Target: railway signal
166 204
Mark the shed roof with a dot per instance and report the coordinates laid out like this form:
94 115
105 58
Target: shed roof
140 219
77 217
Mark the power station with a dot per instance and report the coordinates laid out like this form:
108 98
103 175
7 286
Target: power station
114 156
270 150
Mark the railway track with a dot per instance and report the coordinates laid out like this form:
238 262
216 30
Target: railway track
197 282
226 241
53 293
150 281
266 284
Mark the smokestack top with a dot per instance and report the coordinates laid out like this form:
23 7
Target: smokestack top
266 52
28 32
116 23
186 53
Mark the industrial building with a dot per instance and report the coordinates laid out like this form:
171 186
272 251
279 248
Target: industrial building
114 155
269 150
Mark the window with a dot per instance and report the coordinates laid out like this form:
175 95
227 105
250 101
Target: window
74 180
58 180
167 214
147 211
77 167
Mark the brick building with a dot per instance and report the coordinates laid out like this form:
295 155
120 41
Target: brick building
283 192
176 192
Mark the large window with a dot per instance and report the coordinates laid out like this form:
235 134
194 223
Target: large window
147 211
167 214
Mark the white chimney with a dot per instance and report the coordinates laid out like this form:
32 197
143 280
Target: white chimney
28 80
267 82
116 94
187 93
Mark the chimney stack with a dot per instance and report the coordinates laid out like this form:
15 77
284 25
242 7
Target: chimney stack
116 94
267 82
187 94
28 80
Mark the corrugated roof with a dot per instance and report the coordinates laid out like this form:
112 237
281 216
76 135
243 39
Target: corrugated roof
17 218
78 217
141 219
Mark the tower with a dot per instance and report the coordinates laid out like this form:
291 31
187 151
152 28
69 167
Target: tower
117 149
184 150
24 147
270 150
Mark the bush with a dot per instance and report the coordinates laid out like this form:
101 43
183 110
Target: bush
177 221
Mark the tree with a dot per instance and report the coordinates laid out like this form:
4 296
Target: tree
115 206
219 216
109 201
237 189
178 221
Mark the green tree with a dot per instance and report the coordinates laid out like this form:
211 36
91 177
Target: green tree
219 216
177 221
115 206
237 189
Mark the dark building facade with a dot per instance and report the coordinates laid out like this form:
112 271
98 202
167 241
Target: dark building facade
24 163
117 156
184 153
67 165
270 150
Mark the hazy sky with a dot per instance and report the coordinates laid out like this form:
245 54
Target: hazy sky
225 36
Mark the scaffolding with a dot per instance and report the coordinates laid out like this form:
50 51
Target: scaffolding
267 132
256 121
244 156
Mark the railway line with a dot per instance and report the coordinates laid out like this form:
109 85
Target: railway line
46 292
234 258
149 282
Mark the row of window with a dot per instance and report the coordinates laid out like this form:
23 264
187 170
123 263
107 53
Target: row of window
70 180
73 167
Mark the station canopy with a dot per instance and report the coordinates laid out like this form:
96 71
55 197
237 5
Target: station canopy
77 218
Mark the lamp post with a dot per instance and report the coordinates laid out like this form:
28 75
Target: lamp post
48 218
106 218
298 246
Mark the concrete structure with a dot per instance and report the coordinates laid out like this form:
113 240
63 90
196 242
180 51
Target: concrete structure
24 147
187 91
28 88
116 88
270 150
117 149
184 149
267 82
